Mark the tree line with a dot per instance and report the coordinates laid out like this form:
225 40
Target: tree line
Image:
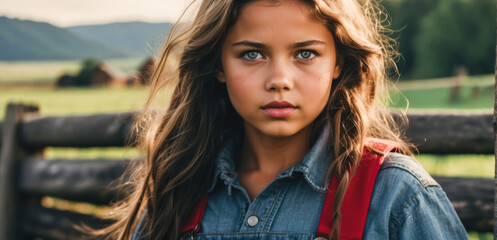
435 37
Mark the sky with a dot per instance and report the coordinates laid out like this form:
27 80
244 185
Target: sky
65 13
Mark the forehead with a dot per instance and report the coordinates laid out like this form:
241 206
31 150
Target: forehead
265 18
262 7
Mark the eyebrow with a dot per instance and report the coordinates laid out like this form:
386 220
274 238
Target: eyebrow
308 43
295 45
249 44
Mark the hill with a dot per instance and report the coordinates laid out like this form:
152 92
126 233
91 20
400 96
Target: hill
136 38
29 40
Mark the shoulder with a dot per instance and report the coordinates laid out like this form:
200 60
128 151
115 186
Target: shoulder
407 201
400 185
405 168
396 165
402 179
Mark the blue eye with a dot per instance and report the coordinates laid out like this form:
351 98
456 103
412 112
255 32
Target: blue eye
306 55
252 55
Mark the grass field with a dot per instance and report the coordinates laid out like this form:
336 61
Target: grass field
420 95
49 71
476 93
76 101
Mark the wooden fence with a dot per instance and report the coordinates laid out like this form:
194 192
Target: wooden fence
25 176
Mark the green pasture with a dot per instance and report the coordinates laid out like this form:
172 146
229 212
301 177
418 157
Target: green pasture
76 101
464 165
49 71
475 93
417 95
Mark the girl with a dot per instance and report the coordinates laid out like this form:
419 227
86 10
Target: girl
275 105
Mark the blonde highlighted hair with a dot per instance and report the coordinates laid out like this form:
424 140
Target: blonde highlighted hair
182 141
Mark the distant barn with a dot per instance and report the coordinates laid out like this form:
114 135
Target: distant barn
107 75
66 80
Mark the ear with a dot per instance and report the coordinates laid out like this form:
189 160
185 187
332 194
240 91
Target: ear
338 67
220 76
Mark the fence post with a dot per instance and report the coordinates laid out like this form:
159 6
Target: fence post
11 152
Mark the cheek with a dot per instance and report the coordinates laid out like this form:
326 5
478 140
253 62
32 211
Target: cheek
315 93
242 89
242 82
316 85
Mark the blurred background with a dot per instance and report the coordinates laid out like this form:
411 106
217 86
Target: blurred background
88 57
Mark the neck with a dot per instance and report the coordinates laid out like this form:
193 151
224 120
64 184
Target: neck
271 155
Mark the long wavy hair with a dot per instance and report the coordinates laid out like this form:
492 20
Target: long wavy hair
183 141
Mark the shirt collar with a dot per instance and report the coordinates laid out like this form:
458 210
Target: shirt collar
313 166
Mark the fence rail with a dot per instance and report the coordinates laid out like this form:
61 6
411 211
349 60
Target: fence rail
93 181
433 133
25 176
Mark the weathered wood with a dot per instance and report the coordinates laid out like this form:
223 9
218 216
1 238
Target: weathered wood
472 199
101 130
92 181
434 133
52 224
10 154
451 133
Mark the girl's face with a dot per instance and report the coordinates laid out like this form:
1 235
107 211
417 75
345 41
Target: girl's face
278 65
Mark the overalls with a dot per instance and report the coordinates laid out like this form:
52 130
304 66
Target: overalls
355 204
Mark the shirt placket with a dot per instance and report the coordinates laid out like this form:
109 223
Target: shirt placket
260 213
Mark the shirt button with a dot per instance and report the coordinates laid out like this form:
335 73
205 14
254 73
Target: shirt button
252 221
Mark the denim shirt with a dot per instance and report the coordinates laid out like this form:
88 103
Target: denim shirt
406 202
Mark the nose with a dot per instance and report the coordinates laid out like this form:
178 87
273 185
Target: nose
279 77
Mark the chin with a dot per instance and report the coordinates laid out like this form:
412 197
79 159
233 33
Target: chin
276 129
281 131
280 134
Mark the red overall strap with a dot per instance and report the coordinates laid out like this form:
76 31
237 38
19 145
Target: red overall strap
192 224
355 205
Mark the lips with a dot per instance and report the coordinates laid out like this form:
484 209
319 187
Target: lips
278 109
